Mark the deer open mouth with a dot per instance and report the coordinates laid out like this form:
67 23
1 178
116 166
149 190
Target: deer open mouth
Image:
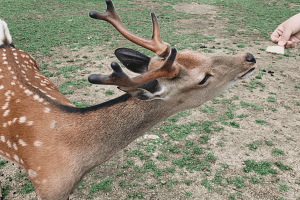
248 73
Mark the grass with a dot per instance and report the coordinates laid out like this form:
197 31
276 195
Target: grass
184 149
103 185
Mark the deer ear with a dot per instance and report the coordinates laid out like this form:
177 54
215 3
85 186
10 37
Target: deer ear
133 60
143 94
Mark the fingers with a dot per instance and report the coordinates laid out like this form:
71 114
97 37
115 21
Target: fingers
290 44
293 42
275 36
285 37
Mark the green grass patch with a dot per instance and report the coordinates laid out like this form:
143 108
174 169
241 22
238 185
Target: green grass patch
27 188
177 132
64 88
260 121
282 167
207 185
256 180
192 163
2 163
269 143
104 185
109 92
271 99
5 190
174 118
276 152
261 168
79 104
188 194
139 195
254 84
208 109
284 187
254 106
162 157
137 153
254 145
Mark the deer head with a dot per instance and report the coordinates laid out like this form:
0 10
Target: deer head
188 78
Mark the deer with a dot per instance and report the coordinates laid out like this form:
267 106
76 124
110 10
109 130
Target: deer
58 143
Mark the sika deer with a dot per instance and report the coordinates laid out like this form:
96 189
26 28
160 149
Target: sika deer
57 143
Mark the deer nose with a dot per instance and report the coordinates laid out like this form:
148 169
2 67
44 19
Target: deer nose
250 58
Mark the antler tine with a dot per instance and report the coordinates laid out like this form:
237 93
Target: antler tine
155 44
119 78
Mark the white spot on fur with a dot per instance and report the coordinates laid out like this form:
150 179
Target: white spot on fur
8 143
5 106
7 154
53 124
28 92
37 143
5 62
21 142
6 113
22 119
15 146
16 158
32 173
1 87
30 123
47 110
2 138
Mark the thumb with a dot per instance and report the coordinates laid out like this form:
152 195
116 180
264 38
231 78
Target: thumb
284 38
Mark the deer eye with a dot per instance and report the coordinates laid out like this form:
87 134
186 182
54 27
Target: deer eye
205 79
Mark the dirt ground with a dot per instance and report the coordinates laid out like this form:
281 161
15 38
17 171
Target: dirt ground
282 127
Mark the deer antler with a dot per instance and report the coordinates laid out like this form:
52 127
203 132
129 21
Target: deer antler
155 44
118 77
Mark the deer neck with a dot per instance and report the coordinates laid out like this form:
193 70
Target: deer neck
104 130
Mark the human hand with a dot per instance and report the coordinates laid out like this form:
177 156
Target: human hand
287 34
